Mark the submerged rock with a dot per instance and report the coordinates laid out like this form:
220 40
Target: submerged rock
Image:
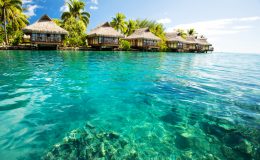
182 142
228 152
89 143
245 147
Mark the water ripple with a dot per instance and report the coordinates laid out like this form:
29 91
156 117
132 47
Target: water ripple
186 106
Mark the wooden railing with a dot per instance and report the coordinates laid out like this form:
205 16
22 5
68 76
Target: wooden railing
46 40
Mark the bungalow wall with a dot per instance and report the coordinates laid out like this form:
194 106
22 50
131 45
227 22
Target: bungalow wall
143 43
44 38
101 40
202 48
192 47
175 45
185 47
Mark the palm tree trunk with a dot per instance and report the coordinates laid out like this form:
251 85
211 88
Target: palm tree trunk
6 39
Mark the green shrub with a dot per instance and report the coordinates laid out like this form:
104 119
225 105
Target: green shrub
16 38
1 36
162 46
1 39
77 35
124 45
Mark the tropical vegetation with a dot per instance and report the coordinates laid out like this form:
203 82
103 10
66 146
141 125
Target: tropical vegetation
128 27
191 32
131 26
12 20
75 20
119 23
76 10
77 32
124 45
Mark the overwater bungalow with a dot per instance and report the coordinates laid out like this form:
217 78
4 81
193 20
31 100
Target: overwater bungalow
45 32
203 45
175 42
143 39
104 36
190 44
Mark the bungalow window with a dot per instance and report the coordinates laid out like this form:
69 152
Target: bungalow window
110 40
52 38
34 37
96 40
42 37
57 37
99 39
175 45
180 45
116 40
139 43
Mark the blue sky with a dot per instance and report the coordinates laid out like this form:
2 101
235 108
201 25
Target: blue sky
231 25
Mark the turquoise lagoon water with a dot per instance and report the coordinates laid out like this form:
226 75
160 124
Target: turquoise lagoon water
163 105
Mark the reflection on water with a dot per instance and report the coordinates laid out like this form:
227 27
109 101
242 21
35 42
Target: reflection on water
161 105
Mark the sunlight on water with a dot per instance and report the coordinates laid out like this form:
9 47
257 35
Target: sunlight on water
123 105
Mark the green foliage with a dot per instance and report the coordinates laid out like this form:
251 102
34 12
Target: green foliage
76 10
76 29
1 39
58 22
155 28
16 38
163 46
145 23
131 25
124 45
1 36
182 33
11 13
158 30
119 22
75 22
191 32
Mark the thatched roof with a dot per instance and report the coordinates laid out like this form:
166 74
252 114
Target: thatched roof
44 25
105 30
202 41
191 40
174 37
143 33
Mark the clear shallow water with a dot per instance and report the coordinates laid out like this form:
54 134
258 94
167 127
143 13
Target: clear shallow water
166 105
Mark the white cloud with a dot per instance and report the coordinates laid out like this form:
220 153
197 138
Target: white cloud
27 1
219 26
31 10
250 18
93 7
164 21
94 2
242 27
64 8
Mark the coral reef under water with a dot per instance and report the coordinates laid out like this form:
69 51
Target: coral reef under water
90 143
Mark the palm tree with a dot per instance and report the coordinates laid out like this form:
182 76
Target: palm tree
191 32
19 21
157 29
58 22
10 10
119 23
76 10
182 33
145 23
131 25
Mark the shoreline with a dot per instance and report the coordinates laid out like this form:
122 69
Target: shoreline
34 48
